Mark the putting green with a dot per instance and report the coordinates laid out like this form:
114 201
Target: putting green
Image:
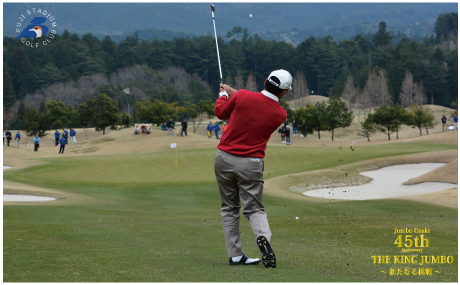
149 222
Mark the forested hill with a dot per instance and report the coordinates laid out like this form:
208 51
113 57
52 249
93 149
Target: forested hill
292 21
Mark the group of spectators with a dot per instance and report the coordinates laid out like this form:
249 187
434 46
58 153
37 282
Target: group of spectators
145 129
57 137
285 131
444 122
216 128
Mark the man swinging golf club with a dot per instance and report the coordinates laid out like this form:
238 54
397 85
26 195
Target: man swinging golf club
239 166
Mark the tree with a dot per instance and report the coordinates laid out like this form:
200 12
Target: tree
7 118
36 123
400 116
305 113
9 95
125 119
203 110
251 83
101 111
318 120
421 117
382 37
239 81
411 92
299 90
368 127
337 89
59 115
350 93
446 26
157 112
337 115
383 118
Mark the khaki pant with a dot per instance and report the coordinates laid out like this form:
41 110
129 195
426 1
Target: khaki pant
240 178
16 143
171 132
444 127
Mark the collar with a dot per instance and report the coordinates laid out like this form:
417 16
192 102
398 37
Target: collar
270 95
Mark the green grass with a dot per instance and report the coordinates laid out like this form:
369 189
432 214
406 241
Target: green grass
149 222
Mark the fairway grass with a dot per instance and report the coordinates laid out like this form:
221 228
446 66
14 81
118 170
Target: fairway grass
143 220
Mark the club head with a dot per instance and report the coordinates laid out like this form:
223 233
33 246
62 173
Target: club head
212 7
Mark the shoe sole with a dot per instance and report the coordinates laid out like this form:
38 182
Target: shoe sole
239 263
268 256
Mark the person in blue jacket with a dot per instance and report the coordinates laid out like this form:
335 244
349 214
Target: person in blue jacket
210 128
456 122
217 129
17 139
66 134
63 142
72 136
36 143
57 135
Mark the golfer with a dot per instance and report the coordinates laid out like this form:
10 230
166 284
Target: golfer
239 161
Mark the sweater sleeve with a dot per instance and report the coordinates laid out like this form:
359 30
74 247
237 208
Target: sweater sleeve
224 106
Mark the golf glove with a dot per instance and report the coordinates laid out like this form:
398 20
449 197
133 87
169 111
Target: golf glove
223 93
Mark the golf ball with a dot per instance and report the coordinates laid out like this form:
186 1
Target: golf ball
250 15
296 218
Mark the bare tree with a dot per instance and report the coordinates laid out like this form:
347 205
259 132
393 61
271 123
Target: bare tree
229 81
7 118
376 89
239 82
411 91
350 93
299 90
251 83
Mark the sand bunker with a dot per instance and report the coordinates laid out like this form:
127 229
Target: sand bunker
387 183
25 198
6 167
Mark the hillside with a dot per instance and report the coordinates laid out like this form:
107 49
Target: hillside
275 20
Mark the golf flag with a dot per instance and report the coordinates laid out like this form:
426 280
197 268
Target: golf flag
174 145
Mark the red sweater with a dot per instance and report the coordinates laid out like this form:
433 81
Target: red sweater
253 118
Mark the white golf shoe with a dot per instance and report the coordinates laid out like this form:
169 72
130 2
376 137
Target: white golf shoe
243 260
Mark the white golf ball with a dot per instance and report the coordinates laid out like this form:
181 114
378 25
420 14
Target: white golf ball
250 15
296 218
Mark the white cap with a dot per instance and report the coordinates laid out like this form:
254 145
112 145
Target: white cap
284 78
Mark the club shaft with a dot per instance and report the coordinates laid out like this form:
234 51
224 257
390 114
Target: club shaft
217 46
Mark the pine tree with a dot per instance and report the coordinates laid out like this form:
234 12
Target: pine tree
382 37
9 95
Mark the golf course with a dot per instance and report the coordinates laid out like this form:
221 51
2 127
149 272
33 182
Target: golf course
124 212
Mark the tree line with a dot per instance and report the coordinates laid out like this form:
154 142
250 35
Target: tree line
324 64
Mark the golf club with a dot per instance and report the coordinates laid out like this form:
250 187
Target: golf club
217 46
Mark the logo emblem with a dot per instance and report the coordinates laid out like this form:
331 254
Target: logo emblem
38 27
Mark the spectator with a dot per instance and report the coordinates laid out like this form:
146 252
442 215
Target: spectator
4 137
36 143
57 135
170 126
444 123
455 121
294 127
282 131
72 136
217 129
304 129
66 135
143 128
136 130
288 135
163 127
184 127
286 123
18 138
8 137
224 128
210 128
147 129
63 142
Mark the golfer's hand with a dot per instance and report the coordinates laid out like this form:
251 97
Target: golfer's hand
228 89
